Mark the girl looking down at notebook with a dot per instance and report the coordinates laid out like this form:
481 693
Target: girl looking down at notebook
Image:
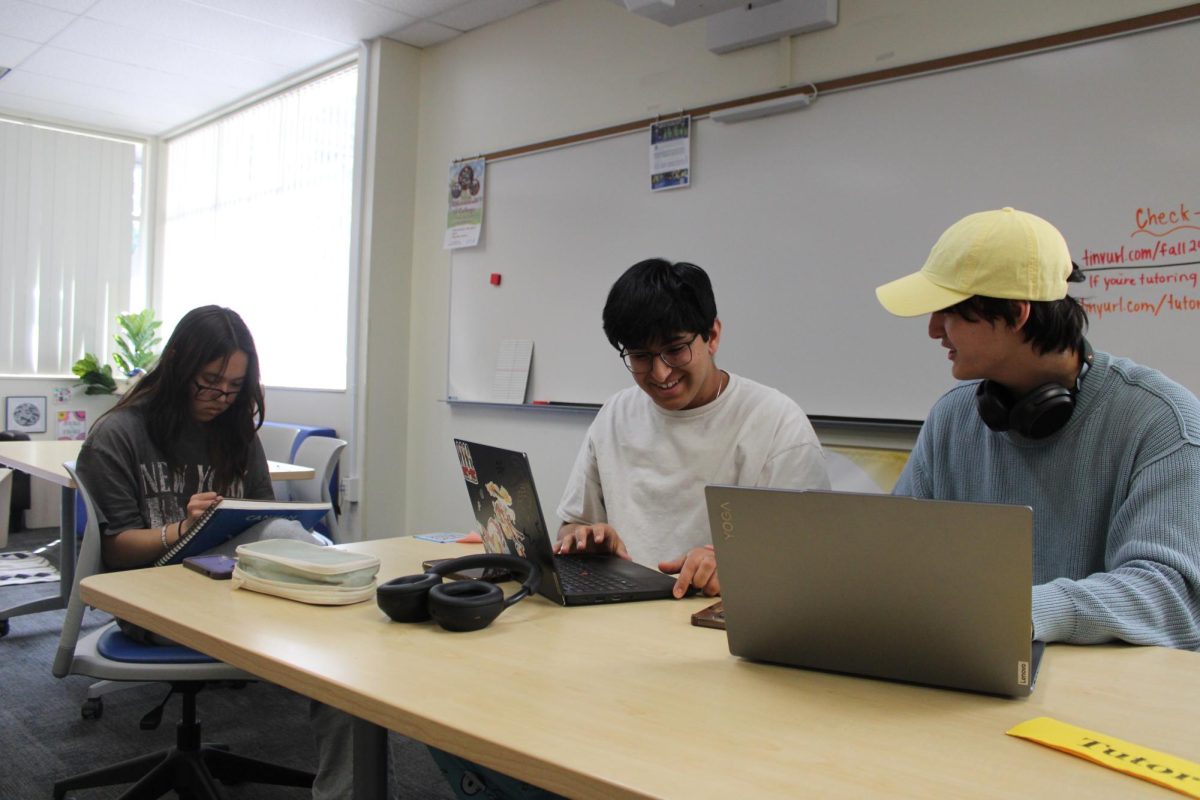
183 437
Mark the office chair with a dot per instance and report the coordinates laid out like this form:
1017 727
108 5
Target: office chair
191 768
278 441
321 454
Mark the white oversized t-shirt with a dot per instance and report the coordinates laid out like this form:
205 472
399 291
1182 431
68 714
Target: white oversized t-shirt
642 469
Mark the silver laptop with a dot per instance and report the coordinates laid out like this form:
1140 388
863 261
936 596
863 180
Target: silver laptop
924 591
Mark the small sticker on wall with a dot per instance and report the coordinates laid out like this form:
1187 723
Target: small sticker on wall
72 425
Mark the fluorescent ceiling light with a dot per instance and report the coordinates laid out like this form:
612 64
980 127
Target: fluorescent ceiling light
764 109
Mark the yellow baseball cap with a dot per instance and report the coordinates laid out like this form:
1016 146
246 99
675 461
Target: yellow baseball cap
1006 253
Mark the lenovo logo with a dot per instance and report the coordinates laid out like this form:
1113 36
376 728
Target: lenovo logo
727 520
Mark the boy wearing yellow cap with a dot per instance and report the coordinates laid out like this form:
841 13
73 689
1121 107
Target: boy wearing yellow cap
1105 451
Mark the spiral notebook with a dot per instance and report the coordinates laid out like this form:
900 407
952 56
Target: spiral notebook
231 516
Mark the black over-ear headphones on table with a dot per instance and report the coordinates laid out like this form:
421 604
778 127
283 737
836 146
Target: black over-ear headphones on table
1037 414
458 605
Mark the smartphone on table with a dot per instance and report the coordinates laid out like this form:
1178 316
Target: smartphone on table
218 568
490 574
711 616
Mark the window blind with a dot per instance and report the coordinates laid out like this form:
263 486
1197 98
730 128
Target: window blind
66 241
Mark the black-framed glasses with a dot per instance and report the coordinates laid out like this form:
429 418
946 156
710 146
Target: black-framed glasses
639 362
213 393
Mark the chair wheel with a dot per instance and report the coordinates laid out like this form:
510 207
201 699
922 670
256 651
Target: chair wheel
92 708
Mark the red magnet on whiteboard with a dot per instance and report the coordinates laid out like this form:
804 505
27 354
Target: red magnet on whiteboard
495 279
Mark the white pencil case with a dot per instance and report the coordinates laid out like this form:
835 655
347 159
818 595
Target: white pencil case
305 572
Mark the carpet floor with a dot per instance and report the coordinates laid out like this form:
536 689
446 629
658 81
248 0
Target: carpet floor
44 737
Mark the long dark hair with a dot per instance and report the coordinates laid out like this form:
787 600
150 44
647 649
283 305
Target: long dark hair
164 394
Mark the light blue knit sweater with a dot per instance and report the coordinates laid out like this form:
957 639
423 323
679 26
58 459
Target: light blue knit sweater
1115 497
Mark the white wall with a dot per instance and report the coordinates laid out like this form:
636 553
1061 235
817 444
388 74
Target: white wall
572 66
44 501
384 297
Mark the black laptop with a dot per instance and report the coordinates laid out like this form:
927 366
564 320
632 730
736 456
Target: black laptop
505 503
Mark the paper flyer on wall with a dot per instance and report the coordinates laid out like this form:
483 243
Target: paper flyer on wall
465 217
670 154
72 425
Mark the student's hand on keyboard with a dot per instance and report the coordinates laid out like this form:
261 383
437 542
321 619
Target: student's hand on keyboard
599 538
697 568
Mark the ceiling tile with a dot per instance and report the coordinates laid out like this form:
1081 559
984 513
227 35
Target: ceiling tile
477 13
105 74
24 20
77 104
347 22
424 34
418 8
201 26
102 40
149 66
70 6
97 119
14 51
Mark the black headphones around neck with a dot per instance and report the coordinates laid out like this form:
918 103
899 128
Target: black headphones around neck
458 605
1036 414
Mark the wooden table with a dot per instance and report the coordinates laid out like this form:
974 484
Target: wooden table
44 458
631 700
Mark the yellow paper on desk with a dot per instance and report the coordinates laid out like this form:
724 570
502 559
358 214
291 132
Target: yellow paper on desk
1132 759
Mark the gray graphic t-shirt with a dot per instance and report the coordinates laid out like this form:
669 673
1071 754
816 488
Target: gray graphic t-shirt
132 483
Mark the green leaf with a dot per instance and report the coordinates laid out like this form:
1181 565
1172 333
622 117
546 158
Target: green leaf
136 347
98 379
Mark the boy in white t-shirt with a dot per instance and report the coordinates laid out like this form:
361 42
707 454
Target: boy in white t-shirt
637 487
653 447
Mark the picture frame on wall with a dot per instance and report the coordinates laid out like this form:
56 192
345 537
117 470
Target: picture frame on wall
25 414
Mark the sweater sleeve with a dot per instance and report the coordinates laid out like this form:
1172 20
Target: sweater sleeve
914 480
1148 591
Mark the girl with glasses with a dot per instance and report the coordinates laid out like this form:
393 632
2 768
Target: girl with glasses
184 436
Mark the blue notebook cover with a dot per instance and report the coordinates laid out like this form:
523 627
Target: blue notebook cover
231 516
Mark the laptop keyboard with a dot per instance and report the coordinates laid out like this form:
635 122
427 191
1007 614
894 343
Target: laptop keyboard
577 577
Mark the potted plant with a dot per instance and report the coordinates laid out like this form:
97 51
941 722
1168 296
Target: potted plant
136 348
96 377
135 354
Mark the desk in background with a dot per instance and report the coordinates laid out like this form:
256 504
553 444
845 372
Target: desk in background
44 459
631 700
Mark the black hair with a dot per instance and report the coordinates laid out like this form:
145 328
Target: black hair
164 394
655 301
1053 325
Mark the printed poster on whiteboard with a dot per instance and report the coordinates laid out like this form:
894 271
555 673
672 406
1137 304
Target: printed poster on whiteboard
670 154
465 217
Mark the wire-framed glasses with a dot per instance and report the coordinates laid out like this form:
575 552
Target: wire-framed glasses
213 393
640 362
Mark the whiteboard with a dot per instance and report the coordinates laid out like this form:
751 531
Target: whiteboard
797 218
